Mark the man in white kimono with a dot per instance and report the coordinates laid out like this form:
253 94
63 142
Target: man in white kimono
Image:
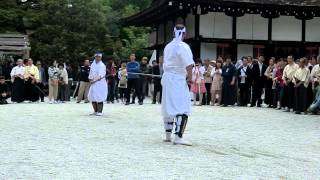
176 100
98 91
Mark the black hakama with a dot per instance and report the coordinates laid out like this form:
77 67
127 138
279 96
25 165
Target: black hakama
32 93
268 92
300 99
18 89
228 91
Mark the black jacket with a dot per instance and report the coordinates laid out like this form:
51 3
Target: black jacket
3 88
258 78
84 73
248 80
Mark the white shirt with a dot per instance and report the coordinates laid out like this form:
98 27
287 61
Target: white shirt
176 95
243 74
198 72
98 91
260 67
17 71
315 73
176 58
214 72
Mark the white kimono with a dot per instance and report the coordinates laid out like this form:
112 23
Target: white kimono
98 91
176 97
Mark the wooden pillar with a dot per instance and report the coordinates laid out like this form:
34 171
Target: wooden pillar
157 43
269 49
165 32
303 30
303 48
197 41
269 29
234 44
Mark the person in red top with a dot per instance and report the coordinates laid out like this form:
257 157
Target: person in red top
278 83
112 72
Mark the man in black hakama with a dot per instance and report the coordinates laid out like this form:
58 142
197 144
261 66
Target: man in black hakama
31 80
18 86
229 73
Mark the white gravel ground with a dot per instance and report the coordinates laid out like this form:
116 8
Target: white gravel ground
44 141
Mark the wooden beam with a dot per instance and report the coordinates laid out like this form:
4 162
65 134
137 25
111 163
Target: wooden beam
13 36
197 25
12 52
234 28
14 43
14 48
270 29
14 39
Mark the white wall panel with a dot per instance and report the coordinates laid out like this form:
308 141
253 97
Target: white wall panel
313 30
286 28
260 28
252 27
222 26
245 27
208 51
190 25
207 25
245 50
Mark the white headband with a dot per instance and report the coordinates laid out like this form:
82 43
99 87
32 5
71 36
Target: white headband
98 54
179 33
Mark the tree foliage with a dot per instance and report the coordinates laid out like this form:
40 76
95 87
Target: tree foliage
71 30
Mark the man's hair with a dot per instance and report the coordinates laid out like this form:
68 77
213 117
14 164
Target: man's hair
60 64
180 26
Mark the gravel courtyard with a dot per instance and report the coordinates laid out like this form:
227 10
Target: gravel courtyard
60 141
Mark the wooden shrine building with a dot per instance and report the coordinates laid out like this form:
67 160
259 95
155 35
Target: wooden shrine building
236 27
14 44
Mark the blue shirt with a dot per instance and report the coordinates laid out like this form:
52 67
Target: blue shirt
133 67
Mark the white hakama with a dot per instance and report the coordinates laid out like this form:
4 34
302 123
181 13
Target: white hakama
176 99
98 91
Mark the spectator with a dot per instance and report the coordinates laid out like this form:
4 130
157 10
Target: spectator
42 80
208 81
31 80
112 82
123 81
53 82
133 67
269 83
301 82
229 73
244 82
288 76
198 83
63 83
84 82
157 83
258 81
216 86
278 83
145 69
3 91
17 77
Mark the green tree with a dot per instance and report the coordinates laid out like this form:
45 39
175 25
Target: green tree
71 30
